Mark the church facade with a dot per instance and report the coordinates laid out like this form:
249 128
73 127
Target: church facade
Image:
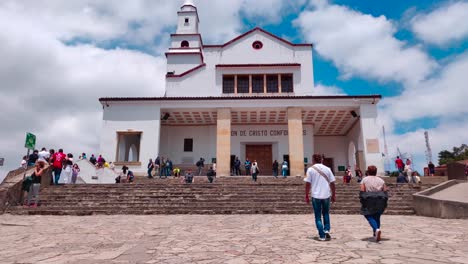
252 97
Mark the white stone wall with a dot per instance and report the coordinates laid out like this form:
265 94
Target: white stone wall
333 147
204 141
131 117
370 131
208 80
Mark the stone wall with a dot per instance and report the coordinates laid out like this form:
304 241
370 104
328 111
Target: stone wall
424 205
10 188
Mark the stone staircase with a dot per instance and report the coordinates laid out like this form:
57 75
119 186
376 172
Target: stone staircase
230 195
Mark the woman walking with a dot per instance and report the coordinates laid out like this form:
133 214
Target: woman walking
255 170
284 169
275 168
150 168
374 200
409 172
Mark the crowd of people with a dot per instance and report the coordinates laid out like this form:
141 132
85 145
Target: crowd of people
62 166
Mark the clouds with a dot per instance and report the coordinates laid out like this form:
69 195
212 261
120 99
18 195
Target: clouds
444 25
327 90
59 57
442 96
51 89
363 45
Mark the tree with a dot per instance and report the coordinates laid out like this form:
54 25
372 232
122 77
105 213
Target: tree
458 153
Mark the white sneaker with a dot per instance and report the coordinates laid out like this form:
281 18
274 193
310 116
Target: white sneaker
378 235
327 235
322 239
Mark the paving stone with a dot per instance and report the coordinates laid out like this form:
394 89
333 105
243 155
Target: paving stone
258 239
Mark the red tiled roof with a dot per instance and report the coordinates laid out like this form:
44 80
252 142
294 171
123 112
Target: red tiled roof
258 65
254 97
185 73
261 30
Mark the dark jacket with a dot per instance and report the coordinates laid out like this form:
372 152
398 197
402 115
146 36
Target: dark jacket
373 202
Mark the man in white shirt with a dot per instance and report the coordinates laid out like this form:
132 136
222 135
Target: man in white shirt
44 154
320 183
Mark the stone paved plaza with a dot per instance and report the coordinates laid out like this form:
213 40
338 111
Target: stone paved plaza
228 239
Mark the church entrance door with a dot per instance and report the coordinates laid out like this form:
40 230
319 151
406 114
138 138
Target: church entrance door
263 154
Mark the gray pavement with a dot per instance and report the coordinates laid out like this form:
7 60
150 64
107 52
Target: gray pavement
456 193
233 239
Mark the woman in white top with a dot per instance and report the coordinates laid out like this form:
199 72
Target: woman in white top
372 183
255 170
409 172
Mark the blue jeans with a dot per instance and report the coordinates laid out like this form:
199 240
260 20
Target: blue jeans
322 207
57 172
284 172
150 170
374 221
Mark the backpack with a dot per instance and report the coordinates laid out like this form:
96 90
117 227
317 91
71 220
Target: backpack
198 163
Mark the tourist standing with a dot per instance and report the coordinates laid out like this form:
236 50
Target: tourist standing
44 154
399 164
168 167
408 170
33 158
320 183
431 167
57 162
150 168
200 165
162 168
374 198
33 194
275 168
359 175
68 169
247 165
75 172
157 163
237 165
24 162
347 176
255 170
284 169
211 174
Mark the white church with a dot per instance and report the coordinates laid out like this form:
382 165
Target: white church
251 97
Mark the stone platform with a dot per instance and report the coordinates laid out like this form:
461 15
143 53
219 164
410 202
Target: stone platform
228 239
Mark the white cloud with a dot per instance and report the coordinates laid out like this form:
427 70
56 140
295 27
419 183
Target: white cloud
52 90
444 25
327 90
442 96
444 137
362 45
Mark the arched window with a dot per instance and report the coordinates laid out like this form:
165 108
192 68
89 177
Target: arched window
184 44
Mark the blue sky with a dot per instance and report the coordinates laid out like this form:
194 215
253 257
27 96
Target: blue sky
412 52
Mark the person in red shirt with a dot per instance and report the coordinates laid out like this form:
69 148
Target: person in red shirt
57 162
399 164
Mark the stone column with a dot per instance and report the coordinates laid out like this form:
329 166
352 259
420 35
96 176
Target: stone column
296 142
223 142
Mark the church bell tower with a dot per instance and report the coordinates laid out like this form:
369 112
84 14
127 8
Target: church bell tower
186 51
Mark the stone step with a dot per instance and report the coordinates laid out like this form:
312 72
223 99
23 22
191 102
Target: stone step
67 211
